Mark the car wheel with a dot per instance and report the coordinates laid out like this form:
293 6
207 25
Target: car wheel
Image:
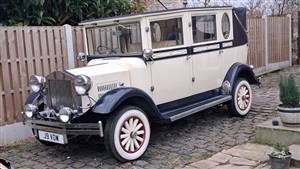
241 98
127 133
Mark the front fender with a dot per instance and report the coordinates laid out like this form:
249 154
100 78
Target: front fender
34 98
239 70
114 98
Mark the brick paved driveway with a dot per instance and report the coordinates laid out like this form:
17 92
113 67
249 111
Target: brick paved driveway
175 145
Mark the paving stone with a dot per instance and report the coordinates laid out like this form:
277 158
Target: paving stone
220 158
204 164
59 166
135 167
90 167
250 155
230 166
255 147
153 167
295 150
69 167
37 166
242 161
118 167
51 163
140 163
186 167
78 164
263 166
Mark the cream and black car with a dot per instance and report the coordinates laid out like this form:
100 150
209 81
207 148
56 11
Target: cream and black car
144 68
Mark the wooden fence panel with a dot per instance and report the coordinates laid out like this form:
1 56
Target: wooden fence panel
78 43
256 38
25 51
278 39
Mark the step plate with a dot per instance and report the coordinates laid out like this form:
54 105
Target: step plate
200 108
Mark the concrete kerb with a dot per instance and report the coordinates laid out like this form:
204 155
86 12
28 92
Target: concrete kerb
12 133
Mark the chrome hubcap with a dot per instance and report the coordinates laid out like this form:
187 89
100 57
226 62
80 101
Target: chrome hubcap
132 135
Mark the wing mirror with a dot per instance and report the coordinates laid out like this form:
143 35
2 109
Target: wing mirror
148 54
81 57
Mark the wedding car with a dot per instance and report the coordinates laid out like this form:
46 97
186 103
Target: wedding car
144 68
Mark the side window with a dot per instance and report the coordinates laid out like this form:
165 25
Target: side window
225 25
166 33
204 28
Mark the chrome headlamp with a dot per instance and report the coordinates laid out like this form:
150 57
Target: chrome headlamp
30 109
37 83
65 114
82 84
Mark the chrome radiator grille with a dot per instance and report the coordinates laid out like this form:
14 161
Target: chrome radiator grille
60 94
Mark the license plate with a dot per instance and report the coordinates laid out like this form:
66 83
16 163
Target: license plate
52 137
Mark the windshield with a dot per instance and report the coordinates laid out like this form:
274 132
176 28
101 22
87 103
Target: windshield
116 39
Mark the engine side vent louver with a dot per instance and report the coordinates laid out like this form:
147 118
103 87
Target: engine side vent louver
103 88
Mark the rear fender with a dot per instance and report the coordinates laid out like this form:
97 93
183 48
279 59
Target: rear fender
239 70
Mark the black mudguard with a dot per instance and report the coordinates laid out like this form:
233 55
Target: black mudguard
239 70
111 100
34 98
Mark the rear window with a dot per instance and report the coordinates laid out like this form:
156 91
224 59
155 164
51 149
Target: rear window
204 28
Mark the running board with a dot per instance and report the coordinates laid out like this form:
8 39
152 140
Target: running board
215 101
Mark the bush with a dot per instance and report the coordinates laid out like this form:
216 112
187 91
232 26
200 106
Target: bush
60 12
280 151
289 92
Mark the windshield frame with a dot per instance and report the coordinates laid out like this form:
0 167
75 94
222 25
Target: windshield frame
90 49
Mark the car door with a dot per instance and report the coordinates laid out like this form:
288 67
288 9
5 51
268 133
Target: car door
170 69
206 52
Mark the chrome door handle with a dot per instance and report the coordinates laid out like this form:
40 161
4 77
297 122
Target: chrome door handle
188 57
221 51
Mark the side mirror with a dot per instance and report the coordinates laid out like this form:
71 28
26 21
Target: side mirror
81 57
148 54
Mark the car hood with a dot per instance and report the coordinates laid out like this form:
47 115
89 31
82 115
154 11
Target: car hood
98 67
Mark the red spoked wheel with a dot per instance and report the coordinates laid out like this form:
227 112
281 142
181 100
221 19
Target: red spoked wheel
132 134
127 133
241 98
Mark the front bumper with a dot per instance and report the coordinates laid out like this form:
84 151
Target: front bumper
66 128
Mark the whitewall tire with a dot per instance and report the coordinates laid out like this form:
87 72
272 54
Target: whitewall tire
127 133
241 102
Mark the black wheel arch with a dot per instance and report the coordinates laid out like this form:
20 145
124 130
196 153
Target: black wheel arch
240 70
119 97
34 98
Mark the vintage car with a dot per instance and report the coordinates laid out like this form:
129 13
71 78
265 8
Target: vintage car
144 68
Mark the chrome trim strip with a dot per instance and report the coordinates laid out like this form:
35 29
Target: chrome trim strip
67 128
227 44
200 108
205 48
100 129
170 53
